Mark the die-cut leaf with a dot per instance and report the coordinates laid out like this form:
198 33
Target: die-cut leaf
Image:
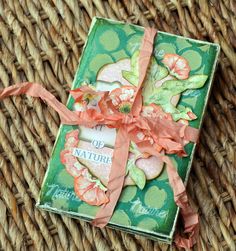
136 174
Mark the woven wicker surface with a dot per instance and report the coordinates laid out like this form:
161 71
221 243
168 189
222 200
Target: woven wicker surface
41 41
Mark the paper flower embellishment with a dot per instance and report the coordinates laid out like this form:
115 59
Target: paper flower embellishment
177 65
90 189
122 98
85 98
87 187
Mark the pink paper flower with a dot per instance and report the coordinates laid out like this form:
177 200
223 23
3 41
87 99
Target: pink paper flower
85 98
122 98
88 190
177 65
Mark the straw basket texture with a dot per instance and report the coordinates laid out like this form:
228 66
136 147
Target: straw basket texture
41 41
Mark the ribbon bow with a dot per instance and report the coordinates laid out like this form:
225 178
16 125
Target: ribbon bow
152 134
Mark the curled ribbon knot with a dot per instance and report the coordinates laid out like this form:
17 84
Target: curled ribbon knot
152 133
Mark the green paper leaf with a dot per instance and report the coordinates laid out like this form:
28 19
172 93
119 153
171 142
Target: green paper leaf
155 72
134 149
132 75
136 174
163 94
195 82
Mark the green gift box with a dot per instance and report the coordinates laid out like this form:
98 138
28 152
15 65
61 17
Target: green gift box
109 60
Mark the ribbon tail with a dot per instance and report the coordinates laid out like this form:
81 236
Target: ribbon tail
191 227
116 178
191 221
38 91
191 134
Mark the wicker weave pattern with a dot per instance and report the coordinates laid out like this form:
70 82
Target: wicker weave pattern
41 41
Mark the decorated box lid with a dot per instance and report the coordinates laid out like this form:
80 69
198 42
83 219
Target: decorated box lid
178 81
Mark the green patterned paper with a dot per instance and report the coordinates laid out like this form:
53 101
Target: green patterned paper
109 60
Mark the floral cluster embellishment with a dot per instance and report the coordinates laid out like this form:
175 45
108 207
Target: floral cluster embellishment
164 82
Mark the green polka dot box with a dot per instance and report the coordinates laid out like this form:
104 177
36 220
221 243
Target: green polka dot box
178 80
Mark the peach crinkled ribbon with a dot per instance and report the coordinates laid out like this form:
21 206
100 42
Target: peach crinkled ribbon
121 149
127 125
